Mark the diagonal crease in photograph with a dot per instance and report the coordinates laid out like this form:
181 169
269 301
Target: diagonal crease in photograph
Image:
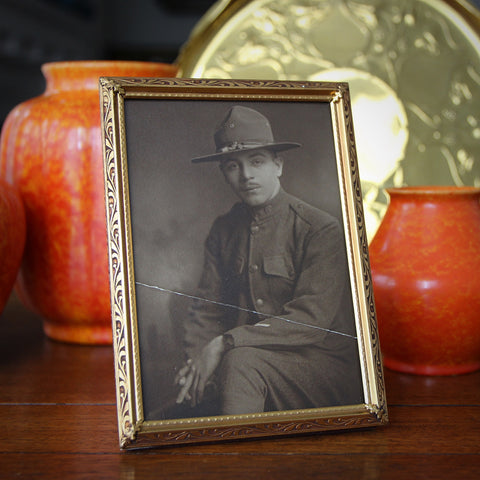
289 320
242 283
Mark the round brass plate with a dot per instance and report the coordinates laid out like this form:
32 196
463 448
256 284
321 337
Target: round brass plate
413 67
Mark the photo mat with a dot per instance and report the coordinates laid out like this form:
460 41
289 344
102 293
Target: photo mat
161 206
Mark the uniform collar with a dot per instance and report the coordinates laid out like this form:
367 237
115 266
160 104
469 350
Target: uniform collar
271 208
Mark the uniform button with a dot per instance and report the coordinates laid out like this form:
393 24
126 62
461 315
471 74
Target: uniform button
253 268
255 229
260 302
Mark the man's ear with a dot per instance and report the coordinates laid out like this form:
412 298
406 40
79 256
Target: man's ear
279 162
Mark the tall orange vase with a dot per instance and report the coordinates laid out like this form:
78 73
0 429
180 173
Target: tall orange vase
51 149
425 261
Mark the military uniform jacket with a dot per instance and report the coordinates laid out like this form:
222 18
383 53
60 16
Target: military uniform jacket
274 277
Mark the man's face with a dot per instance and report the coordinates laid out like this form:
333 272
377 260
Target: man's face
254 176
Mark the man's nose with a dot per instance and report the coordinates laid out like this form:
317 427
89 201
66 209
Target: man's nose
246 171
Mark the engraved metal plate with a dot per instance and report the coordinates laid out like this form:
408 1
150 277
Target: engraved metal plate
413 67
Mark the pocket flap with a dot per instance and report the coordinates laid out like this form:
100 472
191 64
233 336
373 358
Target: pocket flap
278 265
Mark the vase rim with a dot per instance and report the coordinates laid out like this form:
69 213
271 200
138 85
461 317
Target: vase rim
438 190
76 75
102 64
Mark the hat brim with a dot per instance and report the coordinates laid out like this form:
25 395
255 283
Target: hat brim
275 147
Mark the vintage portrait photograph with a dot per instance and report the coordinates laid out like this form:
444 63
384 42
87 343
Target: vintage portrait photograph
242 288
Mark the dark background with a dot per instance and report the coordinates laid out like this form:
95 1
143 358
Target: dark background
174 202
33 32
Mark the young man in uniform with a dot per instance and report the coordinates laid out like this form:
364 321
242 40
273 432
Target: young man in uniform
268 329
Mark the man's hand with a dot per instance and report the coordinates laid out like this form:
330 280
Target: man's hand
193 377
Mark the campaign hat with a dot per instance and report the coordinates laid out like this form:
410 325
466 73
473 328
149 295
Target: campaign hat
243 129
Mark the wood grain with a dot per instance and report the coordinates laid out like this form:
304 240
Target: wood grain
216 466
92 429
57 404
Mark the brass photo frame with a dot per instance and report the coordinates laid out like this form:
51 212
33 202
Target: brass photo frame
164 191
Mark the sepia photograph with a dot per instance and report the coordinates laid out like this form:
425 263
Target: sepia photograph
241 270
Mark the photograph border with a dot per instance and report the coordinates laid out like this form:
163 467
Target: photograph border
134 430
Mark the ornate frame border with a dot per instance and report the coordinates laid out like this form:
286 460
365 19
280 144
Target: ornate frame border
134 431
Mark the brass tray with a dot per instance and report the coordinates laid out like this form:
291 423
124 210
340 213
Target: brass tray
413 67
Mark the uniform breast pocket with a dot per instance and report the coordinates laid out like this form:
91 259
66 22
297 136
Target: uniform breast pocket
238 265
280 276
279 266
233 278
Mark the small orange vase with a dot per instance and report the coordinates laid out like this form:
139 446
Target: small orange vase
51 150
425 262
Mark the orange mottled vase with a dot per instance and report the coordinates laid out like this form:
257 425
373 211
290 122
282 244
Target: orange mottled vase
425 261
51 150
12 238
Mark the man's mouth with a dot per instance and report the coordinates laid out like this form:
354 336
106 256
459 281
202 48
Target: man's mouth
250 188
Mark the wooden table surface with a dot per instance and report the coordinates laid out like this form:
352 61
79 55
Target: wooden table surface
57 406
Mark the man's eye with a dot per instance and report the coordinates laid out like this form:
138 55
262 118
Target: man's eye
231 166
256 162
